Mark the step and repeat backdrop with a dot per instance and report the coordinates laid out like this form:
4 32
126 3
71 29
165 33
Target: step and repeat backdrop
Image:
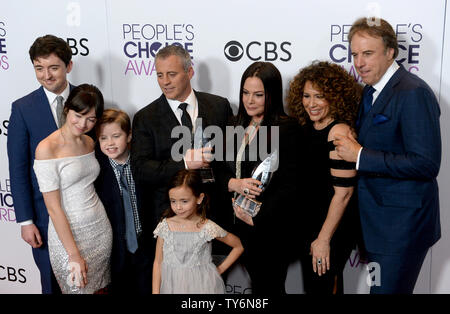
114 44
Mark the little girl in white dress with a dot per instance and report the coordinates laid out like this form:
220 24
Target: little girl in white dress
183 262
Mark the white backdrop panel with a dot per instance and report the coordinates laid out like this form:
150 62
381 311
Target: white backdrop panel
114 44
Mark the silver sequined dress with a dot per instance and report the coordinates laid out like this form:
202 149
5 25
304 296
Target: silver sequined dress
187 265
74 177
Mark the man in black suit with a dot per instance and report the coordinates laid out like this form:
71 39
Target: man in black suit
151 149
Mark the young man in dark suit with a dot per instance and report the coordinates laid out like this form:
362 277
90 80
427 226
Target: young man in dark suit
151 150
33 118
398 155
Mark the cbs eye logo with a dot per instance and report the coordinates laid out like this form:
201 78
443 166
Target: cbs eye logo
233 51
255 50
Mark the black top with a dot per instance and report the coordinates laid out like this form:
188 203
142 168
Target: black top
321 191
281 199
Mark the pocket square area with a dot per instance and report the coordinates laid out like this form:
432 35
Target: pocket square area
380 118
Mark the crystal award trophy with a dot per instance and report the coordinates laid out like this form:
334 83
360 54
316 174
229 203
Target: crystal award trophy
263 172
201 141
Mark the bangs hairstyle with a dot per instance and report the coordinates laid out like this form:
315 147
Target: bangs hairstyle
192 180
48 44
270 77
114 116
83 98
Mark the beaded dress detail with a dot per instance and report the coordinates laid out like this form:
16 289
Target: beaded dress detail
74 177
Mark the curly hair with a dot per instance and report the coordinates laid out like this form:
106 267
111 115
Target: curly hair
339 89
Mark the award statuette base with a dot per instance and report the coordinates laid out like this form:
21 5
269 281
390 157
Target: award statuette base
249 206
206 174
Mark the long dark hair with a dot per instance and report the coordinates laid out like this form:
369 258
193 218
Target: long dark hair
273 90
192 180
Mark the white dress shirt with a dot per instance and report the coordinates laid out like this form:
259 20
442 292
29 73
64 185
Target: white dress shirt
192 109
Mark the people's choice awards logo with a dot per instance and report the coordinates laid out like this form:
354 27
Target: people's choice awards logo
258 51
143 41
409 38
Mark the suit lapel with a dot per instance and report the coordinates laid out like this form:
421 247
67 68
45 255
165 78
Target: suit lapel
203 111
44 112
167 115
381 102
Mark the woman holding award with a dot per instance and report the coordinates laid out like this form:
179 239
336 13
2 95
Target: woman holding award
262 225
324 98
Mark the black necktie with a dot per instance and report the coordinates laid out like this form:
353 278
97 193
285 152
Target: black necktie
130 229
185 117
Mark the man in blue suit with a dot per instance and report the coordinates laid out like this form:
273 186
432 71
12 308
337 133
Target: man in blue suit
33 118
398 155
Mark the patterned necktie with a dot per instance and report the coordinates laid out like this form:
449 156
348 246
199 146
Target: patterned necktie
130 229
59 110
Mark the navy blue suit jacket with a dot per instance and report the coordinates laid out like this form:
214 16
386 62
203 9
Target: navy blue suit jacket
397 187
31 121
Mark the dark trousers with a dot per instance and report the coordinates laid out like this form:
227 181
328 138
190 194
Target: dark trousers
330 283
136 275
267 269
397 274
